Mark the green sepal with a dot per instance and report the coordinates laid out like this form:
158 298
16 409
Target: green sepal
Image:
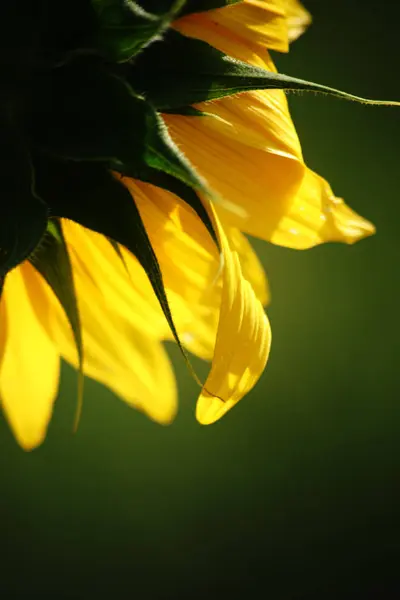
51 259
91 196
125 27
89 114
183 71
24 216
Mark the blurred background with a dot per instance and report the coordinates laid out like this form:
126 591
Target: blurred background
295 494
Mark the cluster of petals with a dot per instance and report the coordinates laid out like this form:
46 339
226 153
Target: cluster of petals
251 159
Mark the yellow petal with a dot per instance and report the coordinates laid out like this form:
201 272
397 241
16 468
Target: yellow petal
125 288
257 24
3 327
272 195
29 370
277 197
251 267
116 352
189 261
242 344
258 120
258 170
316 216
297 17
191 265
252 138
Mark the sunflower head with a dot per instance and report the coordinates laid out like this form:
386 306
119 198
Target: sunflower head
142 123
83 89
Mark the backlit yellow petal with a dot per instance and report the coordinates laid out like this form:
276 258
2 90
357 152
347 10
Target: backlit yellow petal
3 330
189 262
259 120
316 216
278 198
125 288
116 353
191 266
192 269
258 24
251 267
242 344
30 367
297 17
272 194
254 139
261 182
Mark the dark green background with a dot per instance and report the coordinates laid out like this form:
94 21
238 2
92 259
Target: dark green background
294 495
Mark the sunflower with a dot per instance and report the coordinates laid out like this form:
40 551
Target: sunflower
143 143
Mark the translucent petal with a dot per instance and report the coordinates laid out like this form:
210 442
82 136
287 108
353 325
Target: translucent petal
117 353
29 372
251 267
191 266
297 17
257 24
316 216
277 198
258 120
272 194
3 328
259 181
252 138
124 287
242 344
235 330
189 261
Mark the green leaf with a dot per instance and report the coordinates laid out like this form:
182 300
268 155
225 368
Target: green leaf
24 215
126 27
51 259
182 71
90 114
90 195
